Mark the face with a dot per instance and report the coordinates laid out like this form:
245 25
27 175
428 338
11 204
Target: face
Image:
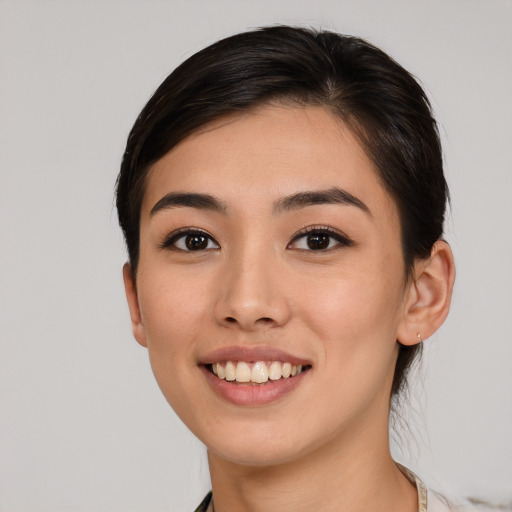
268 248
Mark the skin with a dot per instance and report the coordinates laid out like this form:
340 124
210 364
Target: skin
324 446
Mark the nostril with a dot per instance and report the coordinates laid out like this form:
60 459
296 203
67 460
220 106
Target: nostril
264 320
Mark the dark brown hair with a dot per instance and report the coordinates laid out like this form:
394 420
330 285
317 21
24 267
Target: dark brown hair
378 99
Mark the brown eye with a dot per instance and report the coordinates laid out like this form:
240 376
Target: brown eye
190 241
318 241
196 242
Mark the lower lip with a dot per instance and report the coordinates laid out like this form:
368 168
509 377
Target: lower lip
252 394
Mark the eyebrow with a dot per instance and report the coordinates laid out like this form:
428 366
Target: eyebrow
190 200
332 195
296 201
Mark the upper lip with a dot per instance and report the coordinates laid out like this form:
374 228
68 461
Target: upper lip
251 354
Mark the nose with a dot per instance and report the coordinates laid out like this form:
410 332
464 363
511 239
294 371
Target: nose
252 294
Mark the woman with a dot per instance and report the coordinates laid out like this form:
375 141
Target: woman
282 198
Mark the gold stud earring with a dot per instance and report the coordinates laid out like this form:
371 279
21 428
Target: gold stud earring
419 338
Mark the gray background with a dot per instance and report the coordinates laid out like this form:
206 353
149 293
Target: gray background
82 424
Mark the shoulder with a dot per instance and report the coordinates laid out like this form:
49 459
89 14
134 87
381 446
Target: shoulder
431 501
438 503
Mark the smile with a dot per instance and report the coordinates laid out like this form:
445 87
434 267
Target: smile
254 376
259 372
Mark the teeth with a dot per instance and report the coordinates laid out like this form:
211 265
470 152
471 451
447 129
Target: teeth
230 371
243 372
274 372
221 373
259 372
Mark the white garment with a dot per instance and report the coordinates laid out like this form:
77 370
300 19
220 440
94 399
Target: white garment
430 501
438 503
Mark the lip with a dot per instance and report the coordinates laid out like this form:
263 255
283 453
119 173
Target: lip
252 395
251 355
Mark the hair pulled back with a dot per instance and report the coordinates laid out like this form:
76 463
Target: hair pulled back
374 96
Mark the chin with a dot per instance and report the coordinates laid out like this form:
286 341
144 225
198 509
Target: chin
258 445
255 455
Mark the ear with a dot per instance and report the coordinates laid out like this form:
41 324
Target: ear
428 295
139 332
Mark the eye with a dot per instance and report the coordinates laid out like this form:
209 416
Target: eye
315 238
190 240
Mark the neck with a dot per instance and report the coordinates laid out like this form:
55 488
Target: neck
353 472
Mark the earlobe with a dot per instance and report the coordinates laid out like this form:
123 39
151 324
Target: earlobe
138 329
428 296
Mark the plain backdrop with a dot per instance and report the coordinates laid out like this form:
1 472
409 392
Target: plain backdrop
83 426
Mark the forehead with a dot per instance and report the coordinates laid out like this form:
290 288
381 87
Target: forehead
272 151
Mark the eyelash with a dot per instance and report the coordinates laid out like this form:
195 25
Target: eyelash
341 239
171 240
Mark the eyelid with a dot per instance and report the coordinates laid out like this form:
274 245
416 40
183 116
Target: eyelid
170 239
339 236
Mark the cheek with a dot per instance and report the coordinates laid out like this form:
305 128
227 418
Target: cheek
355 315
354 319
351 302
173 308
